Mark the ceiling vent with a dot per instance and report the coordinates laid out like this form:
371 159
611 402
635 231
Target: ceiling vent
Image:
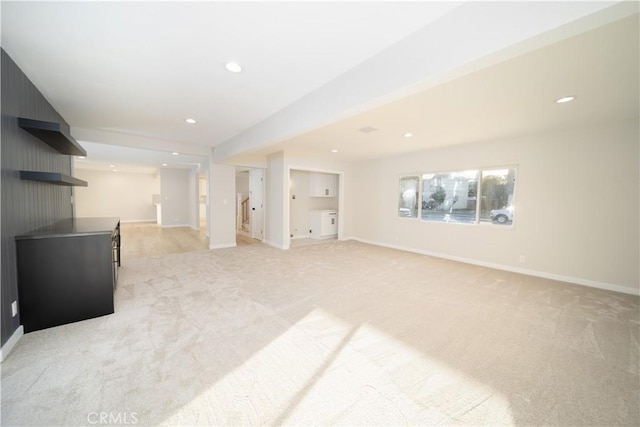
367 129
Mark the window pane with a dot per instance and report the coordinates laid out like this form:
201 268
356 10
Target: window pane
497 196
408 200
450 197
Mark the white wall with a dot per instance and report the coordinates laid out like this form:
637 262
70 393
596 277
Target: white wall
303 203
222 206
175 186
194 200
577 206
276 213
116 194
202 191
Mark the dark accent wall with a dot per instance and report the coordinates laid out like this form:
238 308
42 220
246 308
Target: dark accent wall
25 204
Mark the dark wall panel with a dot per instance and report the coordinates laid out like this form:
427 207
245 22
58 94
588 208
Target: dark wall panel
25 204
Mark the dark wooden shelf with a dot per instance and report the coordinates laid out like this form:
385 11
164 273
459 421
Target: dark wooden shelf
53 178
51 134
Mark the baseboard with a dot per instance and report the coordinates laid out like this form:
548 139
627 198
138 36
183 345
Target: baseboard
223 246
11 343
570 279
175 226
132 221
300 237
276 245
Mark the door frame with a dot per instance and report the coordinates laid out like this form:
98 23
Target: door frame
287 211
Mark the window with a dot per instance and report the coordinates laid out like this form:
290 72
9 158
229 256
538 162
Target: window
468 197
408 198
497 196
450 197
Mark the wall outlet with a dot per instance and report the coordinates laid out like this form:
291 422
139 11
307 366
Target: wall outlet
14 308
521 259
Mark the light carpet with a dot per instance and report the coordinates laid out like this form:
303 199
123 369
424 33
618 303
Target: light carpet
332 334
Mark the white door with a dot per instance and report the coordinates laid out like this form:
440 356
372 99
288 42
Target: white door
256 203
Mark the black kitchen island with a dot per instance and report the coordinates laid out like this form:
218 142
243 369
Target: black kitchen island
67 271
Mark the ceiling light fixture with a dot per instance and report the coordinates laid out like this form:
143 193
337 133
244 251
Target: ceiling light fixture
164 164
112 166
174 153
565 99
334 151
233 67
190 121
408 135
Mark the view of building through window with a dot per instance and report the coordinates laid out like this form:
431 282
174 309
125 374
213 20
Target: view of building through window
408 203
457 197
450 197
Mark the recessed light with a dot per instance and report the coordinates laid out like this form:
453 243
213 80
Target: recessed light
174 153
408 135
565 99
115 170
334 151
164 164
233 67
112 166
190 121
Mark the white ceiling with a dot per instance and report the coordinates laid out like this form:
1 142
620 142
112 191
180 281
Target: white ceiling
106 157
449 72
141 68
512 98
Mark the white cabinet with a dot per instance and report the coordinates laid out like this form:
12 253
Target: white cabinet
323 184
324 224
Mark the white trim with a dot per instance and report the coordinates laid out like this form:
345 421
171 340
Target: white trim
127 221
570 279
176 226
223 246
300 237
11 343
275 245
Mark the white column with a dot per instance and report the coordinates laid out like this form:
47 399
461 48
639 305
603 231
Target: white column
222 206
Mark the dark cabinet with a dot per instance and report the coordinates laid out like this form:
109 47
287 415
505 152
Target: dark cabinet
68 271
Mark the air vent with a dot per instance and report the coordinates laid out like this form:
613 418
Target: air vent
367 129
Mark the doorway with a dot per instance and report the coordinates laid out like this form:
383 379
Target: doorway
314 206
249 205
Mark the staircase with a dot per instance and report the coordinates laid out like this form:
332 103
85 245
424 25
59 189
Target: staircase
244 215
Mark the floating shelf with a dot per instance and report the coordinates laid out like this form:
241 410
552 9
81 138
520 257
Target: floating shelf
51 134
53 178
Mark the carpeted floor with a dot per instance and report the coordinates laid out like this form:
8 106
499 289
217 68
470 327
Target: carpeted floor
332 334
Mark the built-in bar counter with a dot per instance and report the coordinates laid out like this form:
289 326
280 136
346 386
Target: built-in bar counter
67 271
74 227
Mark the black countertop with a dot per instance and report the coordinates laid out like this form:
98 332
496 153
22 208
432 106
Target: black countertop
73 227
